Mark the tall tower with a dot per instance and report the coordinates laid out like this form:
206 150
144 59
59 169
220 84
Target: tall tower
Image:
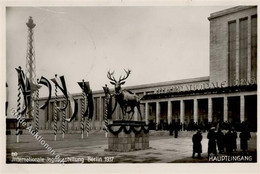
30 64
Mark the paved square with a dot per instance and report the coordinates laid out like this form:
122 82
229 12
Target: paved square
163 148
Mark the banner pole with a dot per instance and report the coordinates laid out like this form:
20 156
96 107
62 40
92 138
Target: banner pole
18 112
82 111
63 120
55 113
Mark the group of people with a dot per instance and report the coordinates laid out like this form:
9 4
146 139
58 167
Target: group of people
224 142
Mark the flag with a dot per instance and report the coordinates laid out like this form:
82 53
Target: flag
61 84
45 82
90 105
85 87
90 108
25 87
74 107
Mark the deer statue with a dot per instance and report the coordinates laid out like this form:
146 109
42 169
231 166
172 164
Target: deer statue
125 98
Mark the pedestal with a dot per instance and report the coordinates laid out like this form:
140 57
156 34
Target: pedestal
125 136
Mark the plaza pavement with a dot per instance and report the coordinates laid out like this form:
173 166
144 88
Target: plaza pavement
163 148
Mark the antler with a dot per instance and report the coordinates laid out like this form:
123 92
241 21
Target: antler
110 76
125 77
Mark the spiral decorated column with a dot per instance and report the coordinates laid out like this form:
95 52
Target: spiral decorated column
37 110
63 119
106 113
82 113
18 112
87 120
55 114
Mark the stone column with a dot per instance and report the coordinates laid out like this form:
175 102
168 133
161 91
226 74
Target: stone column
169 113
249 50
242 108
210 108
182 111
237 49
158 110
146 112
225 108
195 110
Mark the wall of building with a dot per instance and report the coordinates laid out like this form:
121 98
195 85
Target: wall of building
219 42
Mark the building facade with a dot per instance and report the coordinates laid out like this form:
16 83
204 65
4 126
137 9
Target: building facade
228 94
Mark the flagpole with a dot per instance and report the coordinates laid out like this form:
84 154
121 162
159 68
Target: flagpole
82 111
55 112
87 120
18 112
63 120
106 112
37 110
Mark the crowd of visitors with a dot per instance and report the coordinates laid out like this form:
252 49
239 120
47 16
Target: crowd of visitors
223 141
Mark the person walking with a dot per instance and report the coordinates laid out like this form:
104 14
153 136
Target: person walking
244 137
212 142
197 147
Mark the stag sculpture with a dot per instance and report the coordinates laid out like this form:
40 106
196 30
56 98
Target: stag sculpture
125 98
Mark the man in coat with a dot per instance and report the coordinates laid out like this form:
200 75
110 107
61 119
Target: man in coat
244 137
220 141
212 147
228 142
197 147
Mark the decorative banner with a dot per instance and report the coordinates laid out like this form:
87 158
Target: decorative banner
108 102
25 87
85 87
45 82
88 92
61 84
74 107
128 128
90 108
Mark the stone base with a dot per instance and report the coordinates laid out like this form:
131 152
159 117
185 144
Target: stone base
125 136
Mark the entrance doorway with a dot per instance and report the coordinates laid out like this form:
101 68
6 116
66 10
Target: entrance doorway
234 109
251 112
218 106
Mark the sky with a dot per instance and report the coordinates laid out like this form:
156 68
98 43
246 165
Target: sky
157 43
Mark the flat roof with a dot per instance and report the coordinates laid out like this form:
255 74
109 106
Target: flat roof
229 11
152 85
